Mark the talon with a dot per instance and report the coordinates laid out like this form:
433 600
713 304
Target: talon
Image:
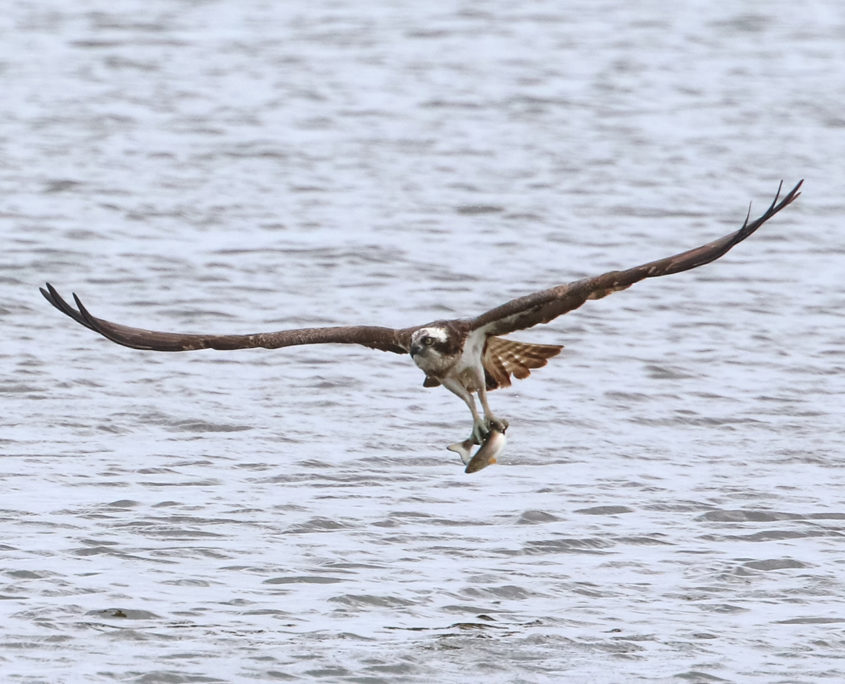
499 424
479 432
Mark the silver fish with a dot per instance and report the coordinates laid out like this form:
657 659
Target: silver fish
492 447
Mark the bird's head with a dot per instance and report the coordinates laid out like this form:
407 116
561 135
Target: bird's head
430 341
436 348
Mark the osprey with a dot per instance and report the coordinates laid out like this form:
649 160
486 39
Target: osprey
468 356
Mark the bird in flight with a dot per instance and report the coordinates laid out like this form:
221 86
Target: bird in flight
468 356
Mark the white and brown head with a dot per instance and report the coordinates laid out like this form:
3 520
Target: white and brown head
436 347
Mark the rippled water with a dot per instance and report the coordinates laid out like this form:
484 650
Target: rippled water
670 505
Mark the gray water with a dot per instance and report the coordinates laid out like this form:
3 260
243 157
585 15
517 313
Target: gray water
671 503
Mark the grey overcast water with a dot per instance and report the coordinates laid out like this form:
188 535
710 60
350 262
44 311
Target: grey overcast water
671 502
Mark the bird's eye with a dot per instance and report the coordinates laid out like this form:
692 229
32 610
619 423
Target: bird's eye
428 340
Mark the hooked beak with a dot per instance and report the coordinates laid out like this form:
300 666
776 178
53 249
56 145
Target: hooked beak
416 349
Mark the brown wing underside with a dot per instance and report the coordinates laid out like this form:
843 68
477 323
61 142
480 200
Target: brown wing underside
545 305
375 337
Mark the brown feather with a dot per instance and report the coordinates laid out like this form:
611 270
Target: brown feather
503 358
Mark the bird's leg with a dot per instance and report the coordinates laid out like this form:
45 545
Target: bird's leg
479 426
490 421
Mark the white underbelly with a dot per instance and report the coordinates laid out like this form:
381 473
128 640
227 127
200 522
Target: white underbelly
469 369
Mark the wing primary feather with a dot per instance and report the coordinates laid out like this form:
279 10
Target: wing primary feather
52 296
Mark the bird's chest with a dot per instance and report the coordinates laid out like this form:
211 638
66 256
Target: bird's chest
437 365
468 368
455 363
466 357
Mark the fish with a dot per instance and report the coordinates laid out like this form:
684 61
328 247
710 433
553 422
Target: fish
492 447
486 454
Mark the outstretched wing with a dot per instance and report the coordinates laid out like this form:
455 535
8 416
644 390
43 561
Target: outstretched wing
545 305
375 337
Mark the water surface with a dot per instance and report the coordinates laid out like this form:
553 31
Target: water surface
670 505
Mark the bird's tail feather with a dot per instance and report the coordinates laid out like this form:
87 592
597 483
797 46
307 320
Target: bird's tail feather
504 358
